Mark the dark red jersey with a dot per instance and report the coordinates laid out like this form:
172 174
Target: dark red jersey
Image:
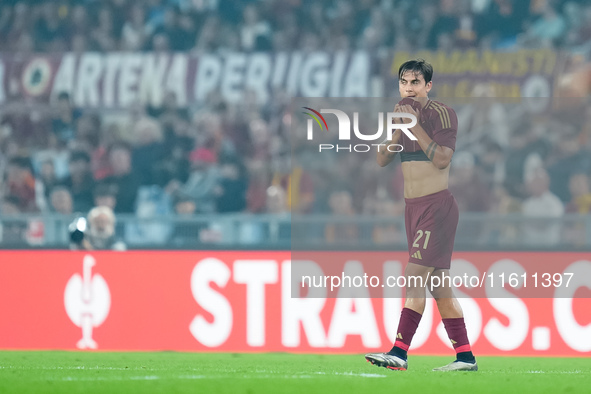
440 123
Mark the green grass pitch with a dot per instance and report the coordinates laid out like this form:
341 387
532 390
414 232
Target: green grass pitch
170 372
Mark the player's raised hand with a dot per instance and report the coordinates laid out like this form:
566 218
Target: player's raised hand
410 110
398 109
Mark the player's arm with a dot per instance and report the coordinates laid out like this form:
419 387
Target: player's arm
384 156
440 156
438 149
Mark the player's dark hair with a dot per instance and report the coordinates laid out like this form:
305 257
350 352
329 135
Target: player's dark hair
417 66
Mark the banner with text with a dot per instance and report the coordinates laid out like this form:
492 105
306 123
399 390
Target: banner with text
472 73
242 301
118 80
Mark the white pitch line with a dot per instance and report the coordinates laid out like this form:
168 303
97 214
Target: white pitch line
97 368
198 377
557 372
362 375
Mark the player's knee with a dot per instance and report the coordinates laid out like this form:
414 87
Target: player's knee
415 303
447 303
417 270
443 301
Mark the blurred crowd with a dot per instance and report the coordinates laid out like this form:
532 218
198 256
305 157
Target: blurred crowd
262 25
226 158
150 161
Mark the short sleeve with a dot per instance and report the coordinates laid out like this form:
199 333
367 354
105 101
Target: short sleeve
445 127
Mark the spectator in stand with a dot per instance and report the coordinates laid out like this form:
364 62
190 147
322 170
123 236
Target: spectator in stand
47 177
61 201
179 38
276 205
465 34
100 234
423 23
12 233
80 181
580 33
105 195
256 196
16 25
63 124
184 205
233 184
445 26
135 32
170 111
79 22
571 159
6 16
341 206
175 168
204 180
88 132
519 155
124 180
386 233
542 204
296 182
575 232
104 37
99 156
50 31
148 150
492 164
26 128
208 38
255 34
466 185
580 192
503 22
498 231
470 192
547 30
22 184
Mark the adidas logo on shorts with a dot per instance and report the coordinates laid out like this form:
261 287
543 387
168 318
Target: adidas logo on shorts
417 255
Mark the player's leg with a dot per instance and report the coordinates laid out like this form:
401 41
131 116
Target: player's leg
453 321
416 274
414 305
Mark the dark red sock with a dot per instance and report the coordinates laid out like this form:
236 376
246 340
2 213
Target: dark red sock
409 321
456 331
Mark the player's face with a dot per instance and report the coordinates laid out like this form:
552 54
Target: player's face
412 84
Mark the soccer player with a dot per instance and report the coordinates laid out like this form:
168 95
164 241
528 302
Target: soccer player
431 216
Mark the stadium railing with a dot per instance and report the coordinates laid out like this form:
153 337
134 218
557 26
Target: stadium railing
476 231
